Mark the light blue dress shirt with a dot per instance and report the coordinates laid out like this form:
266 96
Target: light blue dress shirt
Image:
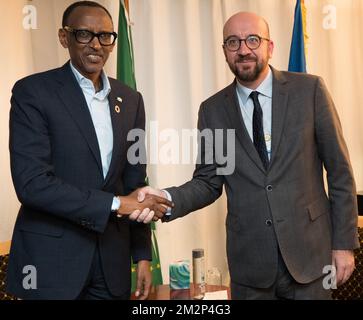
265 99
99 109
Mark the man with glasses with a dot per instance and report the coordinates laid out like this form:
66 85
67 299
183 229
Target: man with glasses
285 236
68 146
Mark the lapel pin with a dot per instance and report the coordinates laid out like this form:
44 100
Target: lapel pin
119 99
117 109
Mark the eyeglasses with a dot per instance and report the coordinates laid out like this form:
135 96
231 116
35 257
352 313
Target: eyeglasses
252 42
86 36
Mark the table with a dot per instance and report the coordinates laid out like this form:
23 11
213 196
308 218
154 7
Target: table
163 292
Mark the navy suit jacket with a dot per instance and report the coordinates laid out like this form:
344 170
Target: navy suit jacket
65 200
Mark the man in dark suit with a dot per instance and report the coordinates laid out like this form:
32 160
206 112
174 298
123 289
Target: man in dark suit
68 147
284 233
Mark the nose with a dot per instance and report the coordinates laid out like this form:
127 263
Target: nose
95 43
243 49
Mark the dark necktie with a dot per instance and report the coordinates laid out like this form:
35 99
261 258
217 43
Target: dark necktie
258 134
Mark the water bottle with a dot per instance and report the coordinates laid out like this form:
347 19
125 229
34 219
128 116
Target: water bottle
198 274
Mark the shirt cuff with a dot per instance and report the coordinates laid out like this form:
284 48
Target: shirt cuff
116 203
168 196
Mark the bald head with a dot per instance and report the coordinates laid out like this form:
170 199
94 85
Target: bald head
247 48
246 22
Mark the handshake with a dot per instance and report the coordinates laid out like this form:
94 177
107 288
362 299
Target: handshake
144 205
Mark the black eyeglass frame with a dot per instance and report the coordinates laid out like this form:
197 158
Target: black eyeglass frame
245 41
98 35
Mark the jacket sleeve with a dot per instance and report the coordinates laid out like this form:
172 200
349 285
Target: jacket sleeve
33 173
333 152
205 186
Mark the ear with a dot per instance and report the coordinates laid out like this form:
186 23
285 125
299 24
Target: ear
270 48
62 36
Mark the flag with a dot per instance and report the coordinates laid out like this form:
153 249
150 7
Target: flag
297 62
126 74
157 277
125 57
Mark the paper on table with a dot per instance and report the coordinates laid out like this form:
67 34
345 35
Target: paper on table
216 295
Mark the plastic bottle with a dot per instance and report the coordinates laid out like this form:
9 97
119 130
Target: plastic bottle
198 274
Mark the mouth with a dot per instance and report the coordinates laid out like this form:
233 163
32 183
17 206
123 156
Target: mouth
94 58
244 61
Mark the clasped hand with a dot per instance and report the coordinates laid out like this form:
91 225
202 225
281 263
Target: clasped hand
144 205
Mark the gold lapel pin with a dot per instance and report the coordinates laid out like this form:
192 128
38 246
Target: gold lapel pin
119 99
117 109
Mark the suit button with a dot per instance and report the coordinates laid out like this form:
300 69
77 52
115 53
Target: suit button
268 223
269 188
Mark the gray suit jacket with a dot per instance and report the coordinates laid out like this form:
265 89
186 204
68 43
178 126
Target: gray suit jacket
285 206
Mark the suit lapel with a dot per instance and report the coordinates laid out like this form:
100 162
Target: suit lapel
279 108
72 97
236 120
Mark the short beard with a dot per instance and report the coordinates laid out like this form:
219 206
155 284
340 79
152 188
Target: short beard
249 75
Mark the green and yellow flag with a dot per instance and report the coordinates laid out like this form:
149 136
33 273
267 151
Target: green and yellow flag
126 74
125 57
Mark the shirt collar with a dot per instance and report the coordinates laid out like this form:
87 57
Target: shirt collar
265 88
87 84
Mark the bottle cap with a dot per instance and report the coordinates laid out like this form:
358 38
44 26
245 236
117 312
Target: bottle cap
198 253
